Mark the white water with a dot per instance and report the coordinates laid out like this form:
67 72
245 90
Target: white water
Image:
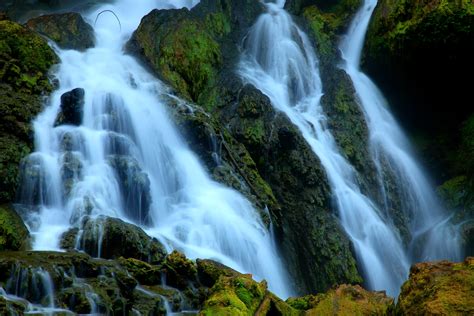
433 237
125 113
279 60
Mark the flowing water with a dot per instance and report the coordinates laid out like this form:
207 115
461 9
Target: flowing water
279 60
127 139
432 235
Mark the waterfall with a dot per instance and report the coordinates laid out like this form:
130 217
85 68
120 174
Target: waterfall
432 235
126 137
279 60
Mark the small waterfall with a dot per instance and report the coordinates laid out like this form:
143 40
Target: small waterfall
278 59
432 235
126 159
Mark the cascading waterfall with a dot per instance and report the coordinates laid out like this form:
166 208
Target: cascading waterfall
126 137
433 237
279 60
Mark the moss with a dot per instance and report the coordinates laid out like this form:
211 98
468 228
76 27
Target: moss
344 300
439 288
13 233
234 296
25 58
179 270
183 52
145 273
218 23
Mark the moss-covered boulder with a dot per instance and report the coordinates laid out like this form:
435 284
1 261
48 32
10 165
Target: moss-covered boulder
25 59
13 233
68 30
112 238
344 300
438 288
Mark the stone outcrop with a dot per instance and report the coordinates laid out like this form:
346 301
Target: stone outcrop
68 30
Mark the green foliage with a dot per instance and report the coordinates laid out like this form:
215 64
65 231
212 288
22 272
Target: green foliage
13 233
218 24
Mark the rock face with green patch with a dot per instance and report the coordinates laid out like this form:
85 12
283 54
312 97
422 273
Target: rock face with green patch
438 288
13 233
25 59
68 30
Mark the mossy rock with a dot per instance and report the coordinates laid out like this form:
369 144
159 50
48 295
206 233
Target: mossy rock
180 49
438 288
68 30
179 270
13 233
25 59
344 300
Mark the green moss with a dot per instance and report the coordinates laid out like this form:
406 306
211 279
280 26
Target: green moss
13 233
25 58
234 296
218 24
440 288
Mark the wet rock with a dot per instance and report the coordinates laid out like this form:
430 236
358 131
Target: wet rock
134 186
344 300
68 30
71 171
72 108
116 239
13 233
438 288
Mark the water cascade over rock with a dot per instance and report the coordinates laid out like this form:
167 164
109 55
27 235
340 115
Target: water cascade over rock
432 237
106 148
279 60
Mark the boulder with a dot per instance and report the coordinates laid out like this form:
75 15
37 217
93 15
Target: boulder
115 238
68 30
13 233
438 288
72 108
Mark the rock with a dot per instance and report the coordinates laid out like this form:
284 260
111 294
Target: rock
438 288
344 300
25 59
179 270
13 233
72 108
68 30
404 41
310 237
118 239
134 186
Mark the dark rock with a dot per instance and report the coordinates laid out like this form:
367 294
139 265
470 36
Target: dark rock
68 30
72 108
13 233
135 188
116 239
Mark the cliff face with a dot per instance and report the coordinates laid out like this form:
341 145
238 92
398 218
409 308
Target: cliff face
420 52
